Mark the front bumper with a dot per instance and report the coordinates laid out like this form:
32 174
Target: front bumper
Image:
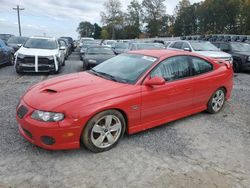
48 135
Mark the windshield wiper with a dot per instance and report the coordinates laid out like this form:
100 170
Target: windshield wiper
108 76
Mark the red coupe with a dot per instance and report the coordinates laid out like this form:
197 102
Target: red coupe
129 93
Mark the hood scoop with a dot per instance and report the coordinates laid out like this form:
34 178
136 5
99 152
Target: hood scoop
49 91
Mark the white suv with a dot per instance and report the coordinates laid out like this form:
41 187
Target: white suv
203 48
40 54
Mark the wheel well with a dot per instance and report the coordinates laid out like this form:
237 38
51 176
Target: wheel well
125 117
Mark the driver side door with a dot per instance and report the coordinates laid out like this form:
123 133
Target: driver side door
171 99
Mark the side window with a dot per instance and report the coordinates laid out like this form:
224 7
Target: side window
201 66
173 68
1 43
176 45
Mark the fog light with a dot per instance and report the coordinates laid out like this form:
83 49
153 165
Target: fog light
48 140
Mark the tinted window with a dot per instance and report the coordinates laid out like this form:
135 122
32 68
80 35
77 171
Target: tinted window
201 66
92 51
224 47
173 68
240 47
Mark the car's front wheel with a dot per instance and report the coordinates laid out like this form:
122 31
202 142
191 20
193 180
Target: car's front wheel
104 131
217 101
11 59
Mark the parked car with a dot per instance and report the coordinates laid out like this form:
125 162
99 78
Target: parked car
85 39
5 37
95 55
240 53
120 47
6 54
16 42
63 43
71 42
143 46
108 43
86 45
131 92
40 54
204 48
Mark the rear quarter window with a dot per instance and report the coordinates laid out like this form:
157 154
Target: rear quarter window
200 66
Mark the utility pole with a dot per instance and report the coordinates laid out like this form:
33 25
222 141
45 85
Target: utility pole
18 9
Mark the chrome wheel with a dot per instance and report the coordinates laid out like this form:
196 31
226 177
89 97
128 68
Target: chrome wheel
218 100
106 131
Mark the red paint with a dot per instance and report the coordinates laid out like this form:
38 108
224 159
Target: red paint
81 95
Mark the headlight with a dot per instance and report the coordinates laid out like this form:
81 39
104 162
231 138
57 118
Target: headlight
21 56
50 57
92 61
47 116
248 59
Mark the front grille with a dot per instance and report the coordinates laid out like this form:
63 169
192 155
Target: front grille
44 61
29 60
22 111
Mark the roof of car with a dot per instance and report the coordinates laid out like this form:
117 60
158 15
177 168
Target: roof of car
43 37
158 53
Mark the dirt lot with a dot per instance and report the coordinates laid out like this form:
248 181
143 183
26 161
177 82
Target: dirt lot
199 151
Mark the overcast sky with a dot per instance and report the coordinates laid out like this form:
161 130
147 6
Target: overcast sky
55 17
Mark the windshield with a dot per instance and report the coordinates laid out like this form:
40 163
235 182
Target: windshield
126 67
203 46
240 47
17 40
121 45
41 43
92 51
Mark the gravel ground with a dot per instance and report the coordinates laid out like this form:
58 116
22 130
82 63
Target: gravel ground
203 150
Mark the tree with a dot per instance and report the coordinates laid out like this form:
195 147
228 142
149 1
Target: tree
97 31
112 16
133 19
153 13
85 29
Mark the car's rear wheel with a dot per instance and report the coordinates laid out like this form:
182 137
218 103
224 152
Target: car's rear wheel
11 59
104 131
217 101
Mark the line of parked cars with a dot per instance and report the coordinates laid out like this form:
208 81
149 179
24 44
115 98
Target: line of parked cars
35 54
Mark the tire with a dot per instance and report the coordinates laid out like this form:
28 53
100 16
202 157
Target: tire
217 101
236 66
63 63
11 60
84 67
103 131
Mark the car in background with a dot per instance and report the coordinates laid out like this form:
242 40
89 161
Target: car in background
85 39
95 55
144 46
16 42
129 93
64 44
239 51
6 54
120 47
86 45
40 54
204 48
108 43
5 37
69 49
71 42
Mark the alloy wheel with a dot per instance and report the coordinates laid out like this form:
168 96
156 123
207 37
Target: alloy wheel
218 100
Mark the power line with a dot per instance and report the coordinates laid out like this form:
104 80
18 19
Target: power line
18 9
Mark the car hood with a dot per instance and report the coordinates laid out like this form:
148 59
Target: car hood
89 89
37 52
243 53
99 58
214 54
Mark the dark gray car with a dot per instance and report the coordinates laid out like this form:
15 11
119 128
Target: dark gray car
16 42
6 54
95 55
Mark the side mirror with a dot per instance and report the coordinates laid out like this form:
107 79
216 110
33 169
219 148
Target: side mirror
62 48
19 45
225 50
155 81
187 49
